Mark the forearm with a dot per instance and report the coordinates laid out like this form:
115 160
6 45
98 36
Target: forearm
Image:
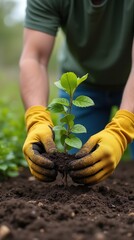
128 95
34 85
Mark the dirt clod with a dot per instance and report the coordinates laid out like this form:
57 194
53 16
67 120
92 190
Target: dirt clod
4 232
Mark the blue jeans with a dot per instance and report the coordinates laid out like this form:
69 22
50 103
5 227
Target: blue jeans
96 117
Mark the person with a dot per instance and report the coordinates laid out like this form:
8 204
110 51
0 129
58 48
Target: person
99 40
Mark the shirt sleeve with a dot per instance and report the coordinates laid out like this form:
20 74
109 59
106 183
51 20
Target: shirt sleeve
43 15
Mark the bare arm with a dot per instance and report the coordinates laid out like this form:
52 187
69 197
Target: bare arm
128 95
34 85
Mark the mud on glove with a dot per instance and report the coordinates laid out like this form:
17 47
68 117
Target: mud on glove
39 140
95 166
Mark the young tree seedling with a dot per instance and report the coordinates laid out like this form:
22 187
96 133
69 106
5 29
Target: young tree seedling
67 128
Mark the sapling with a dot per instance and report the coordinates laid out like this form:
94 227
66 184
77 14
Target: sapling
67 128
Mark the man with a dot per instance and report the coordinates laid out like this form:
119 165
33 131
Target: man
99 40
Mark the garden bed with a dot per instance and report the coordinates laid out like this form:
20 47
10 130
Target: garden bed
32 210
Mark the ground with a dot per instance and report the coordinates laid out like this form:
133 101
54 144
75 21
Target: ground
32 210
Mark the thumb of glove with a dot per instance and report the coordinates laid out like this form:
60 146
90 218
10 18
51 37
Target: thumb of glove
90 146
48 141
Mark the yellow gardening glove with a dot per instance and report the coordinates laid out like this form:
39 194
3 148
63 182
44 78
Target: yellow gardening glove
39 140
109 144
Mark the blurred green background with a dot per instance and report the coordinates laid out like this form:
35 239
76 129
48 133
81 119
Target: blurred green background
12 131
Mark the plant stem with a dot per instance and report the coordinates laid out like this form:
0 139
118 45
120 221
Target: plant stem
68 126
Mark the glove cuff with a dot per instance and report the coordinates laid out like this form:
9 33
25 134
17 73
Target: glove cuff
123 124
37 115
126 114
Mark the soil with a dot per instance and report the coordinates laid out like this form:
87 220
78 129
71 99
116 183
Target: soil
61 161
33 210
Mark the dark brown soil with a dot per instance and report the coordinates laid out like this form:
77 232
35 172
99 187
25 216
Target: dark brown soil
61 161
33 210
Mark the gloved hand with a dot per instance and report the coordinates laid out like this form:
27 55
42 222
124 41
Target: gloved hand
39 140
95 166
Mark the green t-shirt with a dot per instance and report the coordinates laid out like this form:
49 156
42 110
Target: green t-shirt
98 38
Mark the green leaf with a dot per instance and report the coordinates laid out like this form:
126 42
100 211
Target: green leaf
73 141
69 82
68 147
12 165
83 101
58 85
23 163
68 119
56 108
12 173
3 167
78 128
10 156
59 128
82 79
71 124
63 137
62 101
